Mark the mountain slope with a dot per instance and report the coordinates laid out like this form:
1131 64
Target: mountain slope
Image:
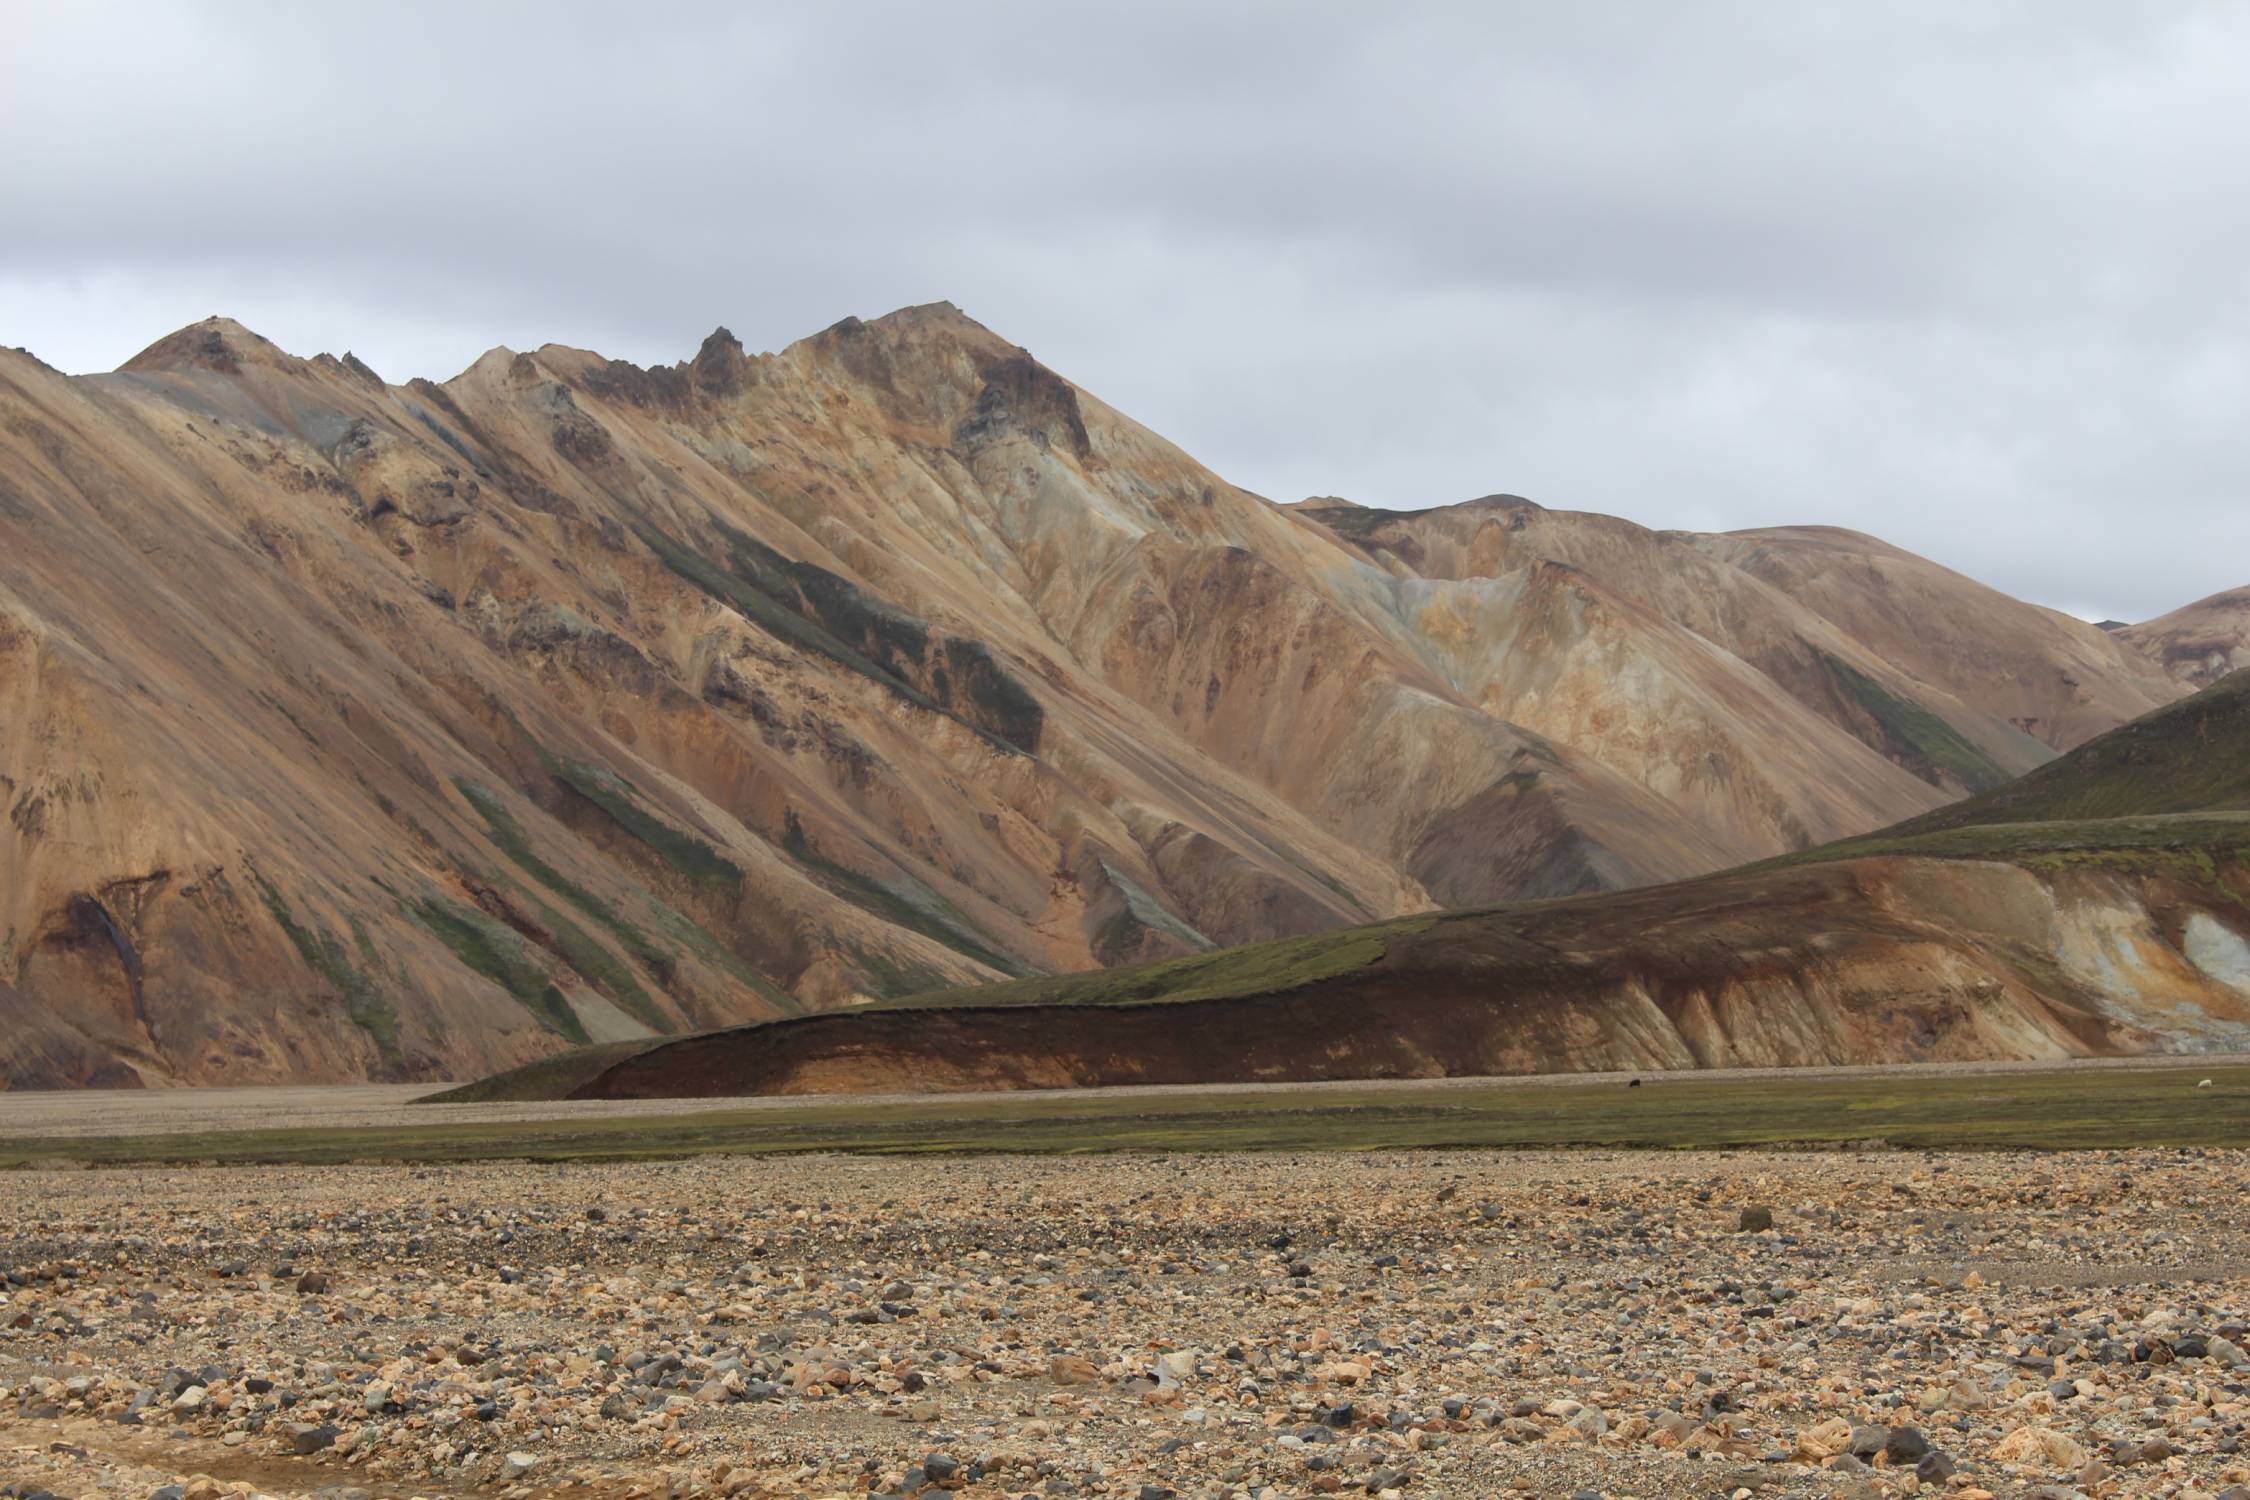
1846 638
2198 643
2189 757
365 730
2093 908
2050 677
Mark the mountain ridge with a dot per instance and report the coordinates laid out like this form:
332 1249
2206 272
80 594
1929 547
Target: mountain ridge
360 729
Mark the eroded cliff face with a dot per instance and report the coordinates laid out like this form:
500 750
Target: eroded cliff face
1862 962
351 729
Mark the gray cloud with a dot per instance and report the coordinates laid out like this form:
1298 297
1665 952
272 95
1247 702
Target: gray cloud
1970 278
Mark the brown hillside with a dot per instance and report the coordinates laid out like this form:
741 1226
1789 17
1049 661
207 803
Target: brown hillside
351 729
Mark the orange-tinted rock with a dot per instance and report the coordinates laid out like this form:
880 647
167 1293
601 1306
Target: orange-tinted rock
356 730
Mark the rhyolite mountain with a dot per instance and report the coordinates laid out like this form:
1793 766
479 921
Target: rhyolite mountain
2097 906
351 729
2198 643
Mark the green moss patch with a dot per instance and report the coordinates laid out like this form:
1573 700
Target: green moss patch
2188 757
2071 1108
987 695
759 597
491 949
508 836
697 939
546 1078
1225 974
1924 743
324 953
683 851
604 970
2183 843
915 907
830 616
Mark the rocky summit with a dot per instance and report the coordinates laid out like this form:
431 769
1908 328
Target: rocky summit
361 730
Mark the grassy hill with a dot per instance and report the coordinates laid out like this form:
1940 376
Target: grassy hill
2192 756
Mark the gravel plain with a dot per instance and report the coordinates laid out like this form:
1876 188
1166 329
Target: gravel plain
1405 1324
114 1112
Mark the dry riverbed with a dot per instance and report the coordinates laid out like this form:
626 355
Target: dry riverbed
1274 1325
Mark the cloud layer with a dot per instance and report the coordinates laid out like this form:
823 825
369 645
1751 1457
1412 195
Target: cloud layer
1971 278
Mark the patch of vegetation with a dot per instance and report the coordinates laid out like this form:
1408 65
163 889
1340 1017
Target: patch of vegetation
890 977
2190 756
848 612
827 615
546 1078
492 950
323 952
2170 791
1924 742
996 701
508 836
762 608
693 936
1223 974
683 851
919 909
2072 1108
602 969
2193 843
2202 865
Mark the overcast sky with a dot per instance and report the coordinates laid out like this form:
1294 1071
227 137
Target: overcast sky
1975 278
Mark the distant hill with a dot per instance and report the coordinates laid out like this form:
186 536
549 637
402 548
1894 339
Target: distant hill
2198 643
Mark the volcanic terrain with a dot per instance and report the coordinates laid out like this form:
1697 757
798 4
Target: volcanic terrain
359 730
2098 906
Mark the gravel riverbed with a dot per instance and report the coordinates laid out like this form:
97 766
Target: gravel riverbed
1441 1324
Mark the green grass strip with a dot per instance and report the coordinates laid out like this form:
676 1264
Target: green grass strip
2063 1109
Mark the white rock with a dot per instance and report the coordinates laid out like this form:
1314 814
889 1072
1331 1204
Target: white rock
1175 1369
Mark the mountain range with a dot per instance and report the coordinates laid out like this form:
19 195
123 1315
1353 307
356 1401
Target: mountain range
359 730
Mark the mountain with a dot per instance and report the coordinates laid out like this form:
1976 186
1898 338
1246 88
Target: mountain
1783 687
2200 643
2190 757
351 729
2099 906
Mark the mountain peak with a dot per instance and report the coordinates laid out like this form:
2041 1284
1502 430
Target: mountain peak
905 326
718 366
928 315
218 344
